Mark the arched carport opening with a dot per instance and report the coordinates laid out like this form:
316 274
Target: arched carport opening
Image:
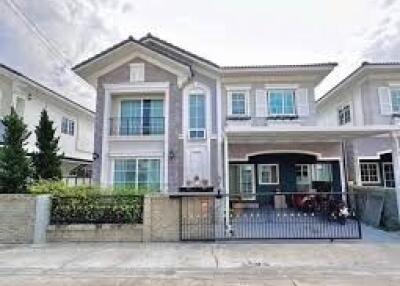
286 172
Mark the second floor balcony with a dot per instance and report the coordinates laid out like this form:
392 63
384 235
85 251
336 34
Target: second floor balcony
137 126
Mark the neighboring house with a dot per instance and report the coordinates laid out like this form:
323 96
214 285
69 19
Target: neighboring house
165 116
74 123
370 98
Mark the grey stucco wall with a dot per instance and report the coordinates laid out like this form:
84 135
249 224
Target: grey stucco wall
152 74
370 98
17 218
371 146
24 218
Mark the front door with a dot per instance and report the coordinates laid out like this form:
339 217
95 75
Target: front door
303 177
388 175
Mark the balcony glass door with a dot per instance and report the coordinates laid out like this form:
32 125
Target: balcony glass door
131 117
153 120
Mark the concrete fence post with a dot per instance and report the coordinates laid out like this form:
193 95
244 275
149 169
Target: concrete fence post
42 218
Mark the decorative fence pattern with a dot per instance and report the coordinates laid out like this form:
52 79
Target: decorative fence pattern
97 209
270 216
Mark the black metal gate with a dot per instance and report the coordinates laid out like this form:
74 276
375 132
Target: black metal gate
268 216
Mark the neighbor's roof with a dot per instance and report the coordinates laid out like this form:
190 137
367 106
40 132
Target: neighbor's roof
45 88
355 73
150 37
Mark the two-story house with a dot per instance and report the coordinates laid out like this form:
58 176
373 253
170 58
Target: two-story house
166 116
369 97
74 123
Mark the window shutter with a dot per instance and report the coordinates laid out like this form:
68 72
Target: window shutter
385 100
229 102
261 103
301 98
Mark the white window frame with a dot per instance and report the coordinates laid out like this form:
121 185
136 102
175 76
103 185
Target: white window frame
384 173
70 127
137 169
246 94
377 173
283 106
309 174
260 170
136 72
204 130
341 110
141 99
247 196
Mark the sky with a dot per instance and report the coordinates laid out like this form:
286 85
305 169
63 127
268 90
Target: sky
45 38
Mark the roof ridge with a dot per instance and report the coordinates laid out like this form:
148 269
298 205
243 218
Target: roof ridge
121 43
44 87
152 37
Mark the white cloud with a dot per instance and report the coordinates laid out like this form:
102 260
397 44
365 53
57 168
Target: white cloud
227 32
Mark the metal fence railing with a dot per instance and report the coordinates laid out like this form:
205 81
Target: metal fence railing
134 126
77 181
269 216
96 209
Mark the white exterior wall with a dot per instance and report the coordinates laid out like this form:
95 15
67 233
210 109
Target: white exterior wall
79 146
268 82
327 114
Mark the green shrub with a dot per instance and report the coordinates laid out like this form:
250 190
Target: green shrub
92 204
61 189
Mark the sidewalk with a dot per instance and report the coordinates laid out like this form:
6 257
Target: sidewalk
322 263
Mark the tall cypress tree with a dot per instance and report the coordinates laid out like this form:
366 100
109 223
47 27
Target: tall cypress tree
46 160
15 166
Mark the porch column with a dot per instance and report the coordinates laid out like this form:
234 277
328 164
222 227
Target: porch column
226 167
396 166
342 168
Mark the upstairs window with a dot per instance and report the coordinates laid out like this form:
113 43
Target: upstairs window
238 103
281 102
344 115
140 117
68 126
395 96
197 116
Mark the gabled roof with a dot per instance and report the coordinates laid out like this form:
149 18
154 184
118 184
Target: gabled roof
358 71
187 58
150 37
43 87
130 39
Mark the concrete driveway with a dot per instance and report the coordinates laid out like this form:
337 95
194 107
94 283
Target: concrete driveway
319 263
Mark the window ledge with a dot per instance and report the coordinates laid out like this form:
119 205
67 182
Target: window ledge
283 117
237 117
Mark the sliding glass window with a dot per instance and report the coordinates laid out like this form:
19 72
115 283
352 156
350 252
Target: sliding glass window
142 117
137 173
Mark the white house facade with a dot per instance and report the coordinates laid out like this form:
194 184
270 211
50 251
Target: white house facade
74 123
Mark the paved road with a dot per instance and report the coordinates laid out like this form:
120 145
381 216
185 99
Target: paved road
294 264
